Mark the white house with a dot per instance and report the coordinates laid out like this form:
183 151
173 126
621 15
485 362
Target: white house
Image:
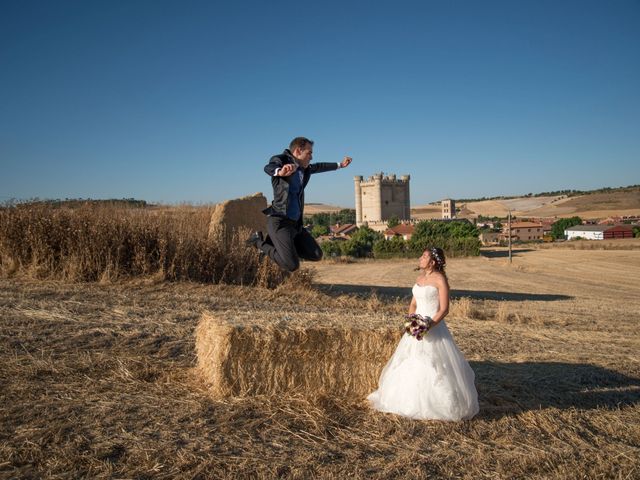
599 232
588 232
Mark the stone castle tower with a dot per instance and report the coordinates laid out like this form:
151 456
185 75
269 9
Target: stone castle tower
379 198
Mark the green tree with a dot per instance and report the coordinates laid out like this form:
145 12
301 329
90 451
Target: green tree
558 228
361 243
318 219
318 230
457 238
636 232
393 221
327 219
347 215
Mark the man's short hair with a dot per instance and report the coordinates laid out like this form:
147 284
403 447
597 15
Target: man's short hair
299 142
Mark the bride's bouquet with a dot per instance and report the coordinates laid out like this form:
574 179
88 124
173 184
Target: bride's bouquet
417 326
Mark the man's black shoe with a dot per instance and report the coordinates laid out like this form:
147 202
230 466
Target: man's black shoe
255 239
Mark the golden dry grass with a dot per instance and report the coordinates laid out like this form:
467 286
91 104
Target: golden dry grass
595 205
111 242
99 381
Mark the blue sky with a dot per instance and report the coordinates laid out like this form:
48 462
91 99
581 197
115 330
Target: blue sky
174 102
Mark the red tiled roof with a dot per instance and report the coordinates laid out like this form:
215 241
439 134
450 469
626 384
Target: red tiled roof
523 225
338 229
402 229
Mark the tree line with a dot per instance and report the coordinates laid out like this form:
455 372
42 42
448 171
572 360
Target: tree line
456 238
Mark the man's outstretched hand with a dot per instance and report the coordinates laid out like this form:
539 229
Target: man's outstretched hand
346 162
287 170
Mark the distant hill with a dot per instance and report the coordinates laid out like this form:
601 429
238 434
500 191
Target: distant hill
313 208
556 193
599 203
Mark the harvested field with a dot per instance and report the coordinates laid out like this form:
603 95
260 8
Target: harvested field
426 212
518 206
100 380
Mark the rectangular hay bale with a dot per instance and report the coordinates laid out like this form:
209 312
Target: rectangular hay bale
275 359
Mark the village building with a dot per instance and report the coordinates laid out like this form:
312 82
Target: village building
599 232
522 232
343 230
331 238
404 230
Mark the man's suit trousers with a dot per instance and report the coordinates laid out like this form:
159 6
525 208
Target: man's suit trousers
288 242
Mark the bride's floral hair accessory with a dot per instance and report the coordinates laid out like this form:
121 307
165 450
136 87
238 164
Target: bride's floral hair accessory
437 254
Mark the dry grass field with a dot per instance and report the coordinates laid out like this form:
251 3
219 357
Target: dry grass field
98 379
595 205
426 212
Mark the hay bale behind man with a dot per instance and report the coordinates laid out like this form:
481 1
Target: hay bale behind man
240 214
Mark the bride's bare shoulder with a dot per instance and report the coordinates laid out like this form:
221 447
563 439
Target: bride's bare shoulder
440 278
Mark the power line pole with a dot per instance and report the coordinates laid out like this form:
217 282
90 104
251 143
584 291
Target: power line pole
509 228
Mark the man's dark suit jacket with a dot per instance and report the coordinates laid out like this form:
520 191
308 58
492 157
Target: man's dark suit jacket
280 185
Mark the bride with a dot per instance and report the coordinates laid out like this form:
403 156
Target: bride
428 378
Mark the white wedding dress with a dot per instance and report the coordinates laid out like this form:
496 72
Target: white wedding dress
428 378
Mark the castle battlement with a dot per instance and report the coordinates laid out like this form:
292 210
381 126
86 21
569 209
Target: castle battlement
380 178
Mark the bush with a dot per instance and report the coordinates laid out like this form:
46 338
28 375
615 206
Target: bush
394 247
331 248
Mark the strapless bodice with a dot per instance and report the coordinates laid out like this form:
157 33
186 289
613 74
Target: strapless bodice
427 301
